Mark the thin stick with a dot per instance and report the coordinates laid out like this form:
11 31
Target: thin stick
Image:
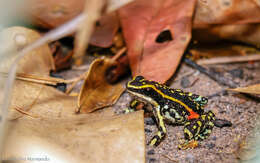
30 107
82 76
234 59
25 112
92 10
43 79
118 54
166 156
214 76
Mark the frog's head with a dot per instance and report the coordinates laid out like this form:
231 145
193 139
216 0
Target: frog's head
142 88
202 101
137 84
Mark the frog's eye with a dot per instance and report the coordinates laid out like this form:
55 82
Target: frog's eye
138 78
204 100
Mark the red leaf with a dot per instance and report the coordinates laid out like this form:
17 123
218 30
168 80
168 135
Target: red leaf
142 22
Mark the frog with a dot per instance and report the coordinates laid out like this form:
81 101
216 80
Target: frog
173 106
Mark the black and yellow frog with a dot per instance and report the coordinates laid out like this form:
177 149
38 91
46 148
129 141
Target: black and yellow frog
174 106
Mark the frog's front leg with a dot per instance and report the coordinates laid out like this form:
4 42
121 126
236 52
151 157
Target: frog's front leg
132 106
161 127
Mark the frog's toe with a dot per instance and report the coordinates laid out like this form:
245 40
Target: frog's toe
189 145
155 141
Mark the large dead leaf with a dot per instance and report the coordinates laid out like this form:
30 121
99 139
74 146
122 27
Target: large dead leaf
78 140
142 23
253 89
50 14
248 33
226 12
220 50
51 130
96 92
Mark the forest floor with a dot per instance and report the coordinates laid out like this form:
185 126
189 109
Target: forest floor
224 144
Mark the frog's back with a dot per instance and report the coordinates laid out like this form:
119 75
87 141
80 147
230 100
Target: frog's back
178 96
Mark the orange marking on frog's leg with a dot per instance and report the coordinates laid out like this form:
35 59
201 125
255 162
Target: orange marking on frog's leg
193 115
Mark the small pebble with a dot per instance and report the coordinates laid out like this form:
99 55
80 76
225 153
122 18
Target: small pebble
210 145
222 123
185 82
151 152
54 74
149 121
189 158
214 138
151 160
61 87
238 73
147 130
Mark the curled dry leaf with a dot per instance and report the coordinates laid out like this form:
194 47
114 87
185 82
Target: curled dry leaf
253 89
156 34
96 92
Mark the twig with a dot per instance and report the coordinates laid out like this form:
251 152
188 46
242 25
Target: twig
119 54
30 107
218 78
24 112
231 59
80 68
43 79
166 156
92 12
82 76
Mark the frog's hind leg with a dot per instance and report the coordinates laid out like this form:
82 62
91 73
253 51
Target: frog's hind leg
198 129
208 119
161 127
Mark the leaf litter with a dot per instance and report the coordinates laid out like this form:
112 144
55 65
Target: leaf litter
55 123
67 113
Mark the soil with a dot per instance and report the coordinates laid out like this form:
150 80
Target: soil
224 144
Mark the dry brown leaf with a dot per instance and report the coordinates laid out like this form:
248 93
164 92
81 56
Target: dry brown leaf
221 49
248 33
253 89
108 139
226 12
37 62
96 92
50 14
